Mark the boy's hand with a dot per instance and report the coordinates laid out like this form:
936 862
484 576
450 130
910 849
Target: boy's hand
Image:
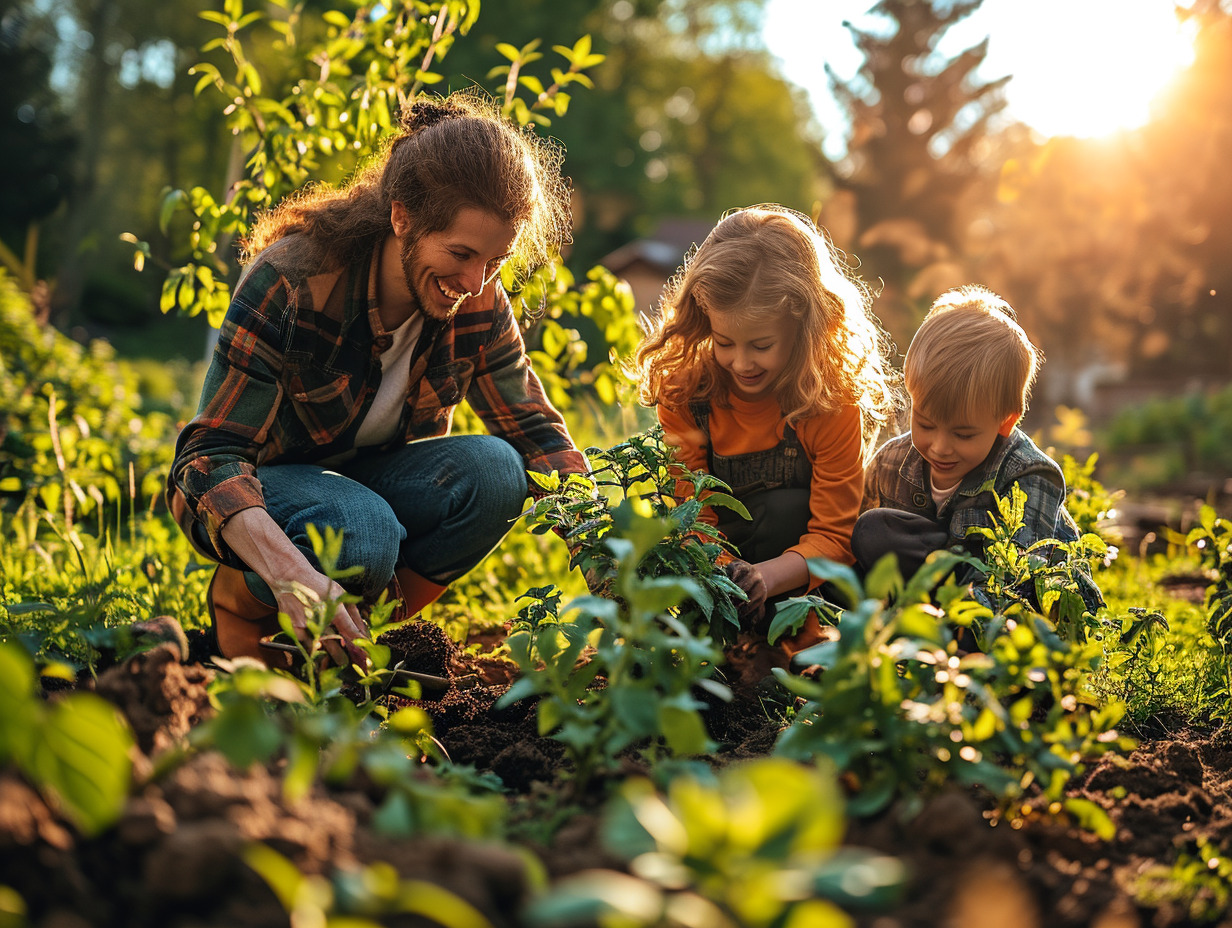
749 579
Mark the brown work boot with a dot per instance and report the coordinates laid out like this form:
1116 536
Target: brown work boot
241 620
416 593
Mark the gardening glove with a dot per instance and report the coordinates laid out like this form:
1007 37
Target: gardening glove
749 579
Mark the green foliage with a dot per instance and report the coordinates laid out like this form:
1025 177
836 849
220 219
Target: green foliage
1087 500
755 847
561 355
75 750
1159 656
1197 887
1182 435
640 477
360 898
83 554
621 672
317 725
1049 572
73 430
553 98
341 82
69 595
13 910
265 716
903 711
1212 540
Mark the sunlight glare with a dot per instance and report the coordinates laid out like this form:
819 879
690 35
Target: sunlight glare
1091 67
1080 67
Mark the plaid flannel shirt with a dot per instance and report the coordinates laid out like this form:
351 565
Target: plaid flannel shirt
297 367
896 479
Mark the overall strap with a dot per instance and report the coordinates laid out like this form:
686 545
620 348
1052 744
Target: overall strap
701 415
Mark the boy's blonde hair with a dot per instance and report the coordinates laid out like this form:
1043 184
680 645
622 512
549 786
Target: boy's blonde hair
970 356
757 263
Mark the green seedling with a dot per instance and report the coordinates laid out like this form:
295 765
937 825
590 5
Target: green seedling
756 845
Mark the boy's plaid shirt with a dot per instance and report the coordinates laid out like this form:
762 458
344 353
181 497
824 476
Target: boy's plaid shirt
896 479
297 366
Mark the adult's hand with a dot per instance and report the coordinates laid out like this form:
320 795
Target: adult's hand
313 586
258 541
748 578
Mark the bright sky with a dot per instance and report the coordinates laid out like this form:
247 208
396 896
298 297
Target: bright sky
1080 67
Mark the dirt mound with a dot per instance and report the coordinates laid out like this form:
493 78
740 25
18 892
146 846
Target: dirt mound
161 697
175 859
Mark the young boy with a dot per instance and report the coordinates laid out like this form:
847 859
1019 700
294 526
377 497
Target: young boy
968 371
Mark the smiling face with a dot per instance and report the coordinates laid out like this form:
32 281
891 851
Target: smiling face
754 353
444 268
955 447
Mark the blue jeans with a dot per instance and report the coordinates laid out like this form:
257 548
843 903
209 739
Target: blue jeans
437 506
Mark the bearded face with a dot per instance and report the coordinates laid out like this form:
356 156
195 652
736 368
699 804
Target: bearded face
443 269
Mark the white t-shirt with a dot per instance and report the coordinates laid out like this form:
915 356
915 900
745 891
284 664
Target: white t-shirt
940 496
383 416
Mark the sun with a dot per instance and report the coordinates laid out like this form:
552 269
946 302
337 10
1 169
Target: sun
1088 68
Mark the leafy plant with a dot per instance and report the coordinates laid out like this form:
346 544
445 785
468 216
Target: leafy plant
1048 572
361 898
1197 887
1212 540
757 846
74 751
326 724
1088 501
641 474
264 715
620 672
1159 655
903 712
74 433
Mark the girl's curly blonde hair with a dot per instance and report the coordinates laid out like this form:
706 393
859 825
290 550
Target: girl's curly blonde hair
758 262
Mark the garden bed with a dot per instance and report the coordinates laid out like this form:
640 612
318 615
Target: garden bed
176 856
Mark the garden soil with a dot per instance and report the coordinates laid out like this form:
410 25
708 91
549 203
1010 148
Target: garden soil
174 858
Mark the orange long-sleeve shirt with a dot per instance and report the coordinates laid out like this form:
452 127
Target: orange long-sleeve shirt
831 441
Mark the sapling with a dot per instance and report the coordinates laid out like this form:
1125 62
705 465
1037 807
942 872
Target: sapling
617 673
904 712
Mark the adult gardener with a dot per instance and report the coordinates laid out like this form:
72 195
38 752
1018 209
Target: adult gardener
364 316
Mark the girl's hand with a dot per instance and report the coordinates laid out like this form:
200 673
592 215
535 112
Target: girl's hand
749 579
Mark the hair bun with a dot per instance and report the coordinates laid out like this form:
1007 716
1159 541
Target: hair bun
424 113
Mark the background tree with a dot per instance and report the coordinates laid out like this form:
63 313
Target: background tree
918 126
119 77
688 116
1187 150
35 128
1114 251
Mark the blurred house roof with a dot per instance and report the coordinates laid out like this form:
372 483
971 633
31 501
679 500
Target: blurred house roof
647 264
664 250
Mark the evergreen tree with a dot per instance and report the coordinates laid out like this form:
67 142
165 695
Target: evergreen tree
917 120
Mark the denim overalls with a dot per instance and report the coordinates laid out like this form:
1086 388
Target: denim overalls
773 484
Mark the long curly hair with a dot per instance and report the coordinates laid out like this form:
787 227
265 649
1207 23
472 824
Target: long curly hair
453 152
759 262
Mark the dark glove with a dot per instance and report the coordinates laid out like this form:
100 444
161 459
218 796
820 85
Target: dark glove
749 579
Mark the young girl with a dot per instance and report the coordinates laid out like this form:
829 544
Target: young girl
768 370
